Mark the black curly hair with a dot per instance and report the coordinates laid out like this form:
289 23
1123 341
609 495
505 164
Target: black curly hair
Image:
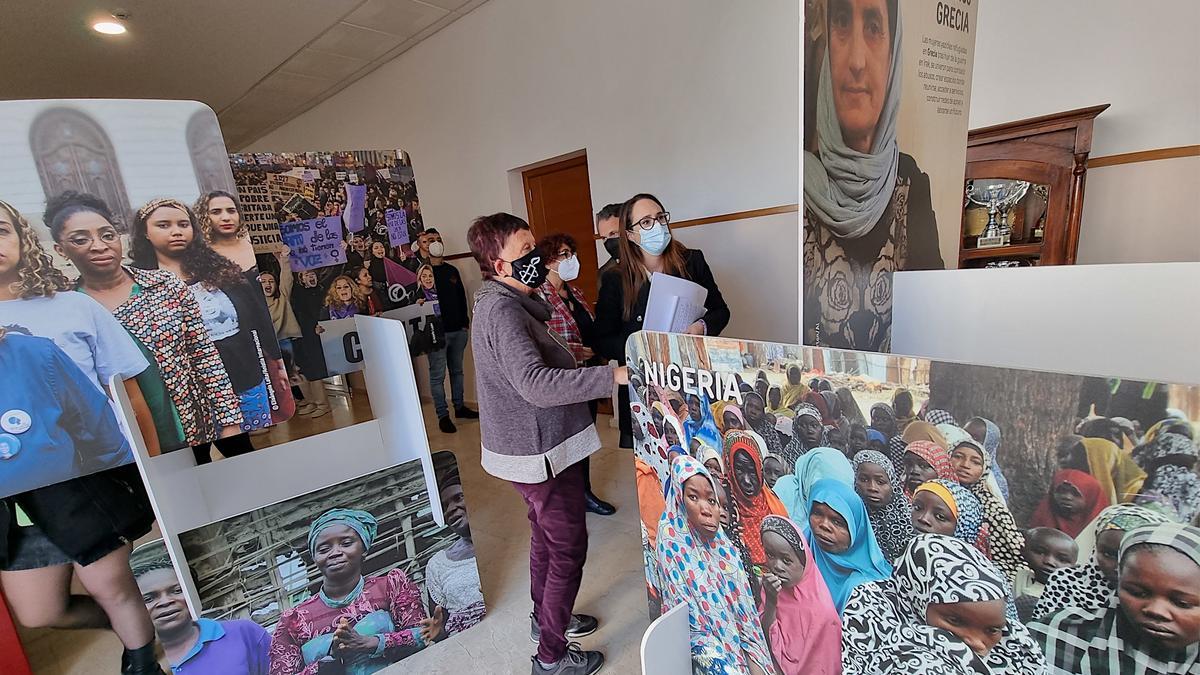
62 206
201 264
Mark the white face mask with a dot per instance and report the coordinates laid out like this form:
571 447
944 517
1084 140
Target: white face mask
568 269
436 249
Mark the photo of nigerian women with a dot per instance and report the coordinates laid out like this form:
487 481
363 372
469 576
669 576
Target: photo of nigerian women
1015 542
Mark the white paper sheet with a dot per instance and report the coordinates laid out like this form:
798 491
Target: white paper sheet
674 304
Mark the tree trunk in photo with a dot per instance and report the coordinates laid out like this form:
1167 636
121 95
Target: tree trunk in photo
1033 410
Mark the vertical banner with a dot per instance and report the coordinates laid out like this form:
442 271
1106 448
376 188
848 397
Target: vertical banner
887 90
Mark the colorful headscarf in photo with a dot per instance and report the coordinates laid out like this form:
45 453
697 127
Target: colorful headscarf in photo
360 521
965 507
806 636
934 569
863 561
750 510
709 577
1094 501
892 524
794 489
935 455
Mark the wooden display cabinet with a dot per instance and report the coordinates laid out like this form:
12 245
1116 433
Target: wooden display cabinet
1050 155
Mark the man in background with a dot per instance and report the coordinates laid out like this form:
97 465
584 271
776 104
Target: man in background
608 226
452 300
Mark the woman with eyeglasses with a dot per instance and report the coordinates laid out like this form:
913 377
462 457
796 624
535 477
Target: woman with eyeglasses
647 247
572 319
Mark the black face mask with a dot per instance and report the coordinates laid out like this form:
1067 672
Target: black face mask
528 269
613 246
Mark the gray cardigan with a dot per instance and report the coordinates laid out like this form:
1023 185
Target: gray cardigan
534 420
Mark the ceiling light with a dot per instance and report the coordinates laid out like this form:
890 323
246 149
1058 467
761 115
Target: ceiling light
115 25
109 27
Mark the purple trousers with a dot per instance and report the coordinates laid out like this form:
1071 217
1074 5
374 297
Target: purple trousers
557 551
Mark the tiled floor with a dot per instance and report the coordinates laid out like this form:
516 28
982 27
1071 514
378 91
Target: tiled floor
613 585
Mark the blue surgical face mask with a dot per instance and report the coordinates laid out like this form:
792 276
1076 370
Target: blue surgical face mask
655 240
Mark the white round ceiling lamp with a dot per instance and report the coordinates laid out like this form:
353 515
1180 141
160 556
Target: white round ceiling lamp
114 25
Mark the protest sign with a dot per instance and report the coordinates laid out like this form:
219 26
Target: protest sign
313 243
258 215
397 226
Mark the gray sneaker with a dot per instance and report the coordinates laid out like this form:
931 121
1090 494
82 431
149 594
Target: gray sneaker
581 625
574 662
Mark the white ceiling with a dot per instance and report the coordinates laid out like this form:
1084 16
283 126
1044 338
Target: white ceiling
257 63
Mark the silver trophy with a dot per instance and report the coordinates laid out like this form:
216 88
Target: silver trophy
999 195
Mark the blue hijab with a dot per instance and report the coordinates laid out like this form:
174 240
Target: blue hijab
795 488
705 429
863 562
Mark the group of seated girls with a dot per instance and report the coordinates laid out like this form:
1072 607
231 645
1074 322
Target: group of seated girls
805 539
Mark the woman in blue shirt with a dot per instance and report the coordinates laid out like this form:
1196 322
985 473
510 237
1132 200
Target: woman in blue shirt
53 407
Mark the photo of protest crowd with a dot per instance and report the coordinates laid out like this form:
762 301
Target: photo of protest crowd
867 513
350 578
348 224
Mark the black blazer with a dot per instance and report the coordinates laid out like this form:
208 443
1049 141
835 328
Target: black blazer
612 330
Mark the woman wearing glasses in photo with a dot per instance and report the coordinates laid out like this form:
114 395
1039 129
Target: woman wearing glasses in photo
572 320
647 247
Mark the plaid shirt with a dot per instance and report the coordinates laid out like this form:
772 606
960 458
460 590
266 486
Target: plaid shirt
1080 642
562 322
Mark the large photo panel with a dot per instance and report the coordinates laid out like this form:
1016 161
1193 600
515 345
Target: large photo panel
339 234
775 480
352 577
887 86
116 255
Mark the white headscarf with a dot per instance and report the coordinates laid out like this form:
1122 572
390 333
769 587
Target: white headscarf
849 190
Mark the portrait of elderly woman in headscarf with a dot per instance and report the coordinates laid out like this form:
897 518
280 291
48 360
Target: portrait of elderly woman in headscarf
867 206
353 624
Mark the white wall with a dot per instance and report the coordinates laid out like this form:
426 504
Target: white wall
694 100
1034 57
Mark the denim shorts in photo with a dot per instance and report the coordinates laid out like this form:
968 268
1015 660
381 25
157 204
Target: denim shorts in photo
30 549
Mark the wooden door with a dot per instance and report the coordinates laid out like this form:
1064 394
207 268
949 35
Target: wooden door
559 199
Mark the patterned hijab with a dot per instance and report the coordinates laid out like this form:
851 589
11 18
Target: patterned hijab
934 569
806 636
859 564
965 507
937 416
1094 501
649 448
709 578
1080 641
1179 485
794 489
935 455
991 445
1004 540
750 510
1085 586
796 446
891 524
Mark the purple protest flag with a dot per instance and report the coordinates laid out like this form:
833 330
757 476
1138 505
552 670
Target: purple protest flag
356 207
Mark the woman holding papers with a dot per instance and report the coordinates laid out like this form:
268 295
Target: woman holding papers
647 247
